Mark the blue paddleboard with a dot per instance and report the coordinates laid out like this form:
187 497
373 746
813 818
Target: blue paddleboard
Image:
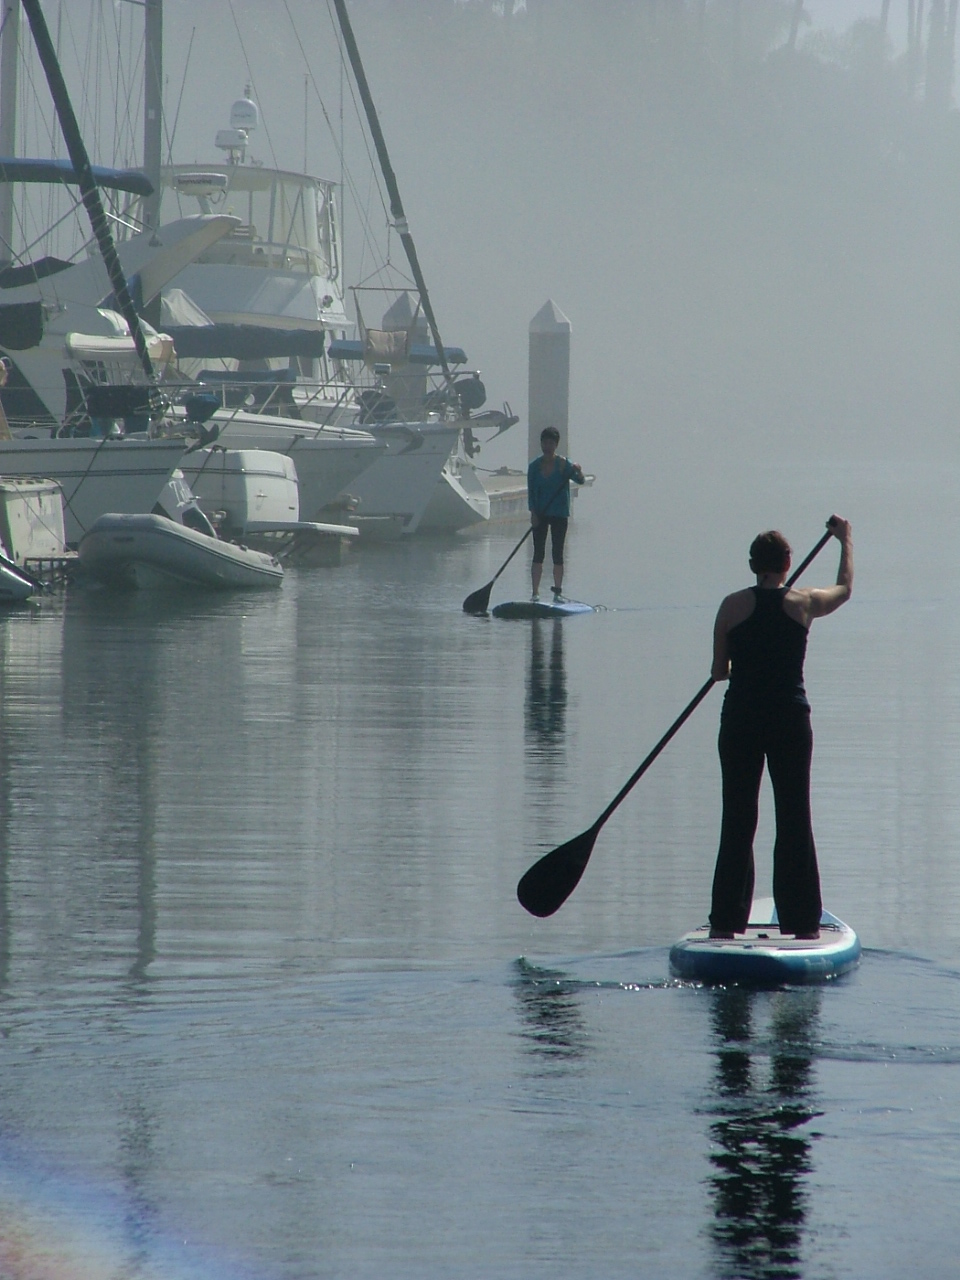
539 609
762 956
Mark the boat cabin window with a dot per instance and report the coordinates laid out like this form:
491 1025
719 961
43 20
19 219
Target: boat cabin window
286 219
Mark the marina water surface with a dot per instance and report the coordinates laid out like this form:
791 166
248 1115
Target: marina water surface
269 1006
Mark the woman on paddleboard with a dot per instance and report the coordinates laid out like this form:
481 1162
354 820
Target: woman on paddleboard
759 644
548 497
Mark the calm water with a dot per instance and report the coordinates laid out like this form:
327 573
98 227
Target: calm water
268 1005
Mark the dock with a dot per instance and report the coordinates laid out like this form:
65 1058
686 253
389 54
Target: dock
507 491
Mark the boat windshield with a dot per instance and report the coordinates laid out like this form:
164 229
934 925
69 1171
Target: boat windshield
286 219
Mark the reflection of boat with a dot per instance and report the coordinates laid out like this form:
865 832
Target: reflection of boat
150 550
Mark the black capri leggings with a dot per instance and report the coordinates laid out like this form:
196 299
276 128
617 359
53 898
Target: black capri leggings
558 535
781 735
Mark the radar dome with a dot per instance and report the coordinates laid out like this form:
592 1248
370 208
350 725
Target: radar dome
244 114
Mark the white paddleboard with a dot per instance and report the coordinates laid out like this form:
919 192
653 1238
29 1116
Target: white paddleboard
540 609
762 956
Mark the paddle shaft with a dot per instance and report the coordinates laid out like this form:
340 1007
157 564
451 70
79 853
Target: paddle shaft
512 553
691 706
18 569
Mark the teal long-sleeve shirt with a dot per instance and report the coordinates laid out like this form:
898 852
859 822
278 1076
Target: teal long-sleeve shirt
550 495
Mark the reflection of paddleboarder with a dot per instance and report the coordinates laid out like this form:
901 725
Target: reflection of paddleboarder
546 704
548 497
760 640
760 1130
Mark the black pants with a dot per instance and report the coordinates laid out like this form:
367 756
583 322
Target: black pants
781 736
558 535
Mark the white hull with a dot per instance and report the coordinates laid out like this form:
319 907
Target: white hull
458 500
234 293
148 550
328 459
400 485
95 476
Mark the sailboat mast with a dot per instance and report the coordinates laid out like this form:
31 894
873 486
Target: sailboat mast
89 191
393 191
152 108
9 61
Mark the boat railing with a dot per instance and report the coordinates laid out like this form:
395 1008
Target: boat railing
280 392
361 397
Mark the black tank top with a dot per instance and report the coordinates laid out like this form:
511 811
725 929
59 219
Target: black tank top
766 655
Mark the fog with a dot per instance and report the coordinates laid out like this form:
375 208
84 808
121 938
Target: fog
756 244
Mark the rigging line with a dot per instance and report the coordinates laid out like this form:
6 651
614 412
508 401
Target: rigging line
117 90
39 208
338 145
343 246
29 248
389 177
88 187
183 84
253 82
128 90
360 114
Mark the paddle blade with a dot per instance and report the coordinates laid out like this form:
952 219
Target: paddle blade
477 601
549 883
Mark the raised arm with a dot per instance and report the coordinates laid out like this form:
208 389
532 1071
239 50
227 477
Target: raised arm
824 600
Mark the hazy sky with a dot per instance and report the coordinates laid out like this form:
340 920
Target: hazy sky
839 14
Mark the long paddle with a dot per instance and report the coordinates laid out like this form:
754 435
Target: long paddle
550 882
478 601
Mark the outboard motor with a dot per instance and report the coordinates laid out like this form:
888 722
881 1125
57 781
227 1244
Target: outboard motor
471 393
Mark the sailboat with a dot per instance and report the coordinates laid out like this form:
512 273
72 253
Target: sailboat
74 361
140 538
94 474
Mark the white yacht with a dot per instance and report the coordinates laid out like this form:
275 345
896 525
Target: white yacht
271 293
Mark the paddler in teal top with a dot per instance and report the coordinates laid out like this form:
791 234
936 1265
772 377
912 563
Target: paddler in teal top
548 497
759 644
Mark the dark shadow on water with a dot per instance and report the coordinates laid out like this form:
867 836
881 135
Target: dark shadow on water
764 1100
551 1023
545 718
